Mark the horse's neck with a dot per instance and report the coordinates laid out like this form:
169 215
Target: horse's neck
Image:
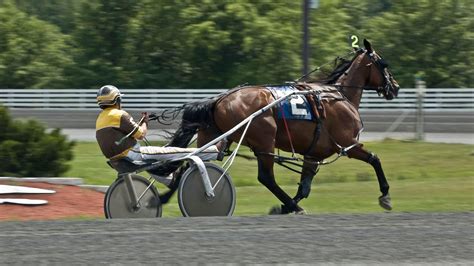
352 85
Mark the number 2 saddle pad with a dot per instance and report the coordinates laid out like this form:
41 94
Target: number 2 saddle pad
293 108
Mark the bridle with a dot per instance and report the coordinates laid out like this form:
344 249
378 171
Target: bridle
381 65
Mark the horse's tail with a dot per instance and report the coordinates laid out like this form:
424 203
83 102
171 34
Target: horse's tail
195 115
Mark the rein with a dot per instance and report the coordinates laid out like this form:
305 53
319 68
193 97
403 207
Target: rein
170 115
327 63
378 89
167 116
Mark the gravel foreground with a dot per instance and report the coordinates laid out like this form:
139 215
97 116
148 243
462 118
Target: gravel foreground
389 238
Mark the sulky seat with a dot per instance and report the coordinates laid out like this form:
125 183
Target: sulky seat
127 165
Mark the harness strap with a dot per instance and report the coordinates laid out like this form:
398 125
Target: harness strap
285 163
320 106
316 135
287 130
318 111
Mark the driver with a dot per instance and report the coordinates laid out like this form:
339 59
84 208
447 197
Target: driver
117 134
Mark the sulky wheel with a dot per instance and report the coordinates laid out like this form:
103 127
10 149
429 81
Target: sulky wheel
117 202
192 197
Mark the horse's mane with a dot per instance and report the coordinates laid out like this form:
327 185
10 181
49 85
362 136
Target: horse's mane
340 68
342 65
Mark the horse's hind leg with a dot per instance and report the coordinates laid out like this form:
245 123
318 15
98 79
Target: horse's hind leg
359 153
267 178
310 169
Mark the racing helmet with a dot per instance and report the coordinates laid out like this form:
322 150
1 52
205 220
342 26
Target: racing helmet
108 95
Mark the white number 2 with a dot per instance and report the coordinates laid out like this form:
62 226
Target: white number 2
298 106
355 41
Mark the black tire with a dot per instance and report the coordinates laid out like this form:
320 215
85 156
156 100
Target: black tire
117 203
192 197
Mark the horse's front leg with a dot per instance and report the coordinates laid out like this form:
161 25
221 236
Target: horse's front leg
310 169
267 178
361 154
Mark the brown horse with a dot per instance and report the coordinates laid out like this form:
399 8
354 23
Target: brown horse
334 131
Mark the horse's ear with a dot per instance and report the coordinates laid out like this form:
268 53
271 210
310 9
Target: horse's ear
368 46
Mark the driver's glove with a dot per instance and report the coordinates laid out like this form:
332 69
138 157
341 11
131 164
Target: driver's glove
145 117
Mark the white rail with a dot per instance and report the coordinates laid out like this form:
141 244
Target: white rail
140 99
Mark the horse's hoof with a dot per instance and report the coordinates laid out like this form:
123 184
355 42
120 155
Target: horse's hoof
275 210
301 212
385 202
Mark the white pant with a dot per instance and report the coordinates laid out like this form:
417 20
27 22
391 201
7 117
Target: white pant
140 153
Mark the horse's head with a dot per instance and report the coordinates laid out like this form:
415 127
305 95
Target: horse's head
379 75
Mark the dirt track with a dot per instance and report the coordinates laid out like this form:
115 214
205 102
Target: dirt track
396 238
68 202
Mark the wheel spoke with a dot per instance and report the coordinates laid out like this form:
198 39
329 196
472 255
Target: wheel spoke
147 188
